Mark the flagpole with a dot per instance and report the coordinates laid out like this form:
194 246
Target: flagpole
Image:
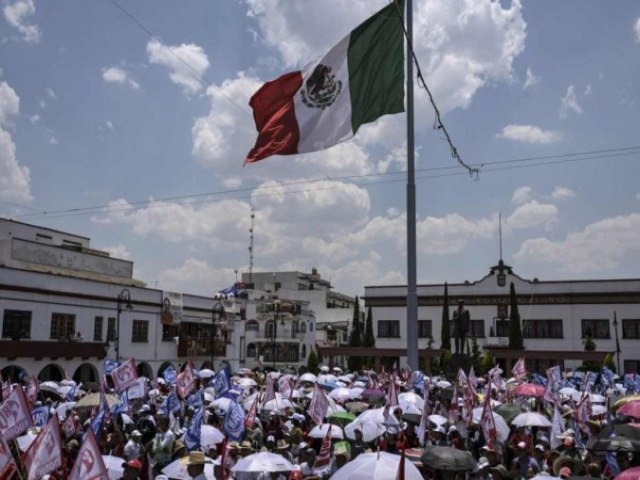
412 295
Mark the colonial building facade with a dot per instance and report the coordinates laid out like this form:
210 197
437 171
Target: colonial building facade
556 317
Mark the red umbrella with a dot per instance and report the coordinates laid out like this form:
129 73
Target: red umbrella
631 409
629 474
529 390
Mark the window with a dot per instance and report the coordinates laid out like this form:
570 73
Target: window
251 350
16 324
595 328
630 328
111 329
63 325
476 329
303 351
541 366
542 329
389 328
97 329
424 329
269 329
303 328
502 328
140 331
294 328
311 326
252 326
169 332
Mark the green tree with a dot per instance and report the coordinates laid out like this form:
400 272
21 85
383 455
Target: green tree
313 362
369 339
354 363
589 346
609 363
445 329
515 328
486 363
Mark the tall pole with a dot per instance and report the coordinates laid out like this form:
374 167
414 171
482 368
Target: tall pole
615 326
118 332
412 290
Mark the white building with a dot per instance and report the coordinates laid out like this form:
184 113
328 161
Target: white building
556 317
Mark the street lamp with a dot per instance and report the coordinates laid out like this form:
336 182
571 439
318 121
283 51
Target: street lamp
217 312
615 328
124 302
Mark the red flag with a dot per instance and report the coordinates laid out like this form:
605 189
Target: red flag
319 405
124 376
250 417
185 381
15 415
7 463
325 450
45 453
89 464
487 421
400 474
472 380
32 390
69 427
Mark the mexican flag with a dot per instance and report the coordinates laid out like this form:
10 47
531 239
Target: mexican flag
357 81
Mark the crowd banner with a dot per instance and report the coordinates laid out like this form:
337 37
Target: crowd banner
124 376
15 415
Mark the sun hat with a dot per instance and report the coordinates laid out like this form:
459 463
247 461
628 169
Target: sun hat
197 458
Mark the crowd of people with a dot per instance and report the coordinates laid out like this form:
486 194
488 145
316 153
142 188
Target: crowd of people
315 426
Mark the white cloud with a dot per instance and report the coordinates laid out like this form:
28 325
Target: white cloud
186 63
34 119
569 102
461 44
636 30
451 233
600 246
531 79
120 76
532 214
109 126
118 251
529 134
522 195
17 14
562 193
196 277
14 178
588 90
50 92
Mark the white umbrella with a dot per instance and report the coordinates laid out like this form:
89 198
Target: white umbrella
278 404
370 430
376 466
375 415
114 467
206 373
222 403
246 382
263 462
501 424
327 379
308 377
570 392
61 409
443 384
438 419
409 398
531 419
178 469
356 392
210 435
341 393
50 387
597 398
208 398
320 431
598 409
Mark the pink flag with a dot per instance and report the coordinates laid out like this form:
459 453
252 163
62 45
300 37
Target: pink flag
454 413
89 464
124 376
519 370
319 405
69 427
185 381
554 376
45 453
32 390
250 418
487 421
401 475
7 464
15 415
270 393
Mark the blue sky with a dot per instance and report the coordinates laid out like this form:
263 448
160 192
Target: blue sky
153 130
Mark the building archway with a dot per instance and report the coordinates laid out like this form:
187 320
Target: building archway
144 370
163 367
51 372
13 373
86 373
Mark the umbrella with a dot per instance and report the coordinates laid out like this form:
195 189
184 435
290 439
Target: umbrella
178 469
531 419
341 393
210 435
221 403
50 387
619 436
341 418
443 384
437 419
409 398
508 411
113 466
370 430
448 459
598 410
308 377
376 466
629 474
502 428
412 414
263 462
617 404
529 390
246 382
206 373
61 409
372 393
597 398
93 400
320 431
356 407
630 409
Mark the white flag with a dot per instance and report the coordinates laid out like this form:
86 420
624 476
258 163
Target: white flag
15 415
519 370
557 427
45 453
89 463
124 376
319 405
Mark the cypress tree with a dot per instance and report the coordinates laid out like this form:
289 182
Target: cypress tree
515 329
445 332
369 339
354 363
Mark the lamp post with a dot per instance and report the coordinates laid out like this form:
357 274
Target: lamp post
124 302
615 328
217 312
274 331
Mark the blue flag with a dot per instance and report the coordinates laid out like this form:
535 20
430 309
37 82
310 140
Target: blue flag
220 382
538 379
192 437
196 399
170 375
71 394
234 422
607 378
122 406
171 404
40 416
109 365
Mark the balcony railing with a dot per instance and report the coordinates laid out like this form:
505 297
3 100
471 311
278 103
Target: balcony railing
51 349
201 347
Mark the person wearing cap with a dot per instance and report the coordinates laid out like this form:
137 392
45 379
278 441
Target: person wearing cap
438 436
195 465
540 454
133 448
482 470
523 464
132 470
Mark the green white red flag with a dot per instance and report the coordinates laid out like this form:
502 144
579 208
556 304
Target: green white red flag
356 82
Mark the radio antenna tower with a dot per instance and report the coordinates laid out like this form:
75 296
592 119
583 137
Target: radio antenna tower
253 222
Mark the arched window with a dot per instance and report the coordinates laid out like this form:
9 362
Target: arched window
293 352
251 350
269 329
252 326
311 326
303 352
303 327
294 328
